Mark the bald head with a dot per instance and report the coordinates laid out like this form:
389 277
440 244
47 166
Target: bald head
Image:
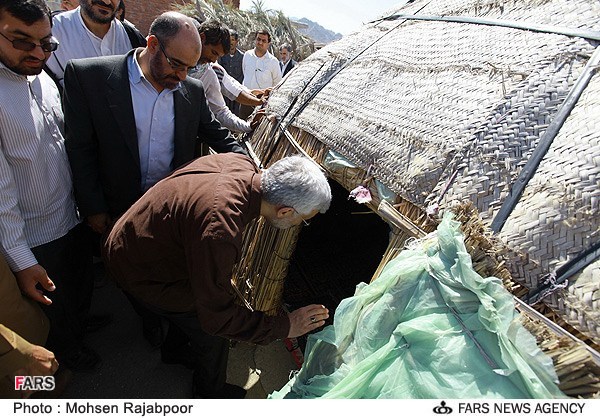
171 26
173 48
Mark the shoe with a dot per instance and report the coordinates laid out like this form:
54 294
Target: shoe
83 360
154 335
228 391
94 323
183 355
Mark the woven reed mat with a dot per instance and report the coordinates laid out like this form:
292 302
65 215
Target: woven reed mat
449 112
558 214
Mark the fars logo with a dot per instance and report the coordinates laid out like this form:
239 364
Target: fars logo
34 383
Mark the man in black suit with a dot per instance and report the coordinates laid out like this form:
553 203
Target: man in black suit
286 63
105 118
132 119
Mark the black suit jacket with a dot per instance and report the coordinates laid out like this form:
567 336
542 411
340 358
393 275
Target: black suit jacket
101 137
291 64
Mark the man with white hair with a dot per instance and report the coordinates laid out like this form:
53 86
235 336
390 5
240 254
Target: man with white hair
286 63
175 248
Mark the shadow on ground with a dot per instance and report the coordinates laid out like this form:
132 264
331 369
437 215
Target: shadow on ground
132 369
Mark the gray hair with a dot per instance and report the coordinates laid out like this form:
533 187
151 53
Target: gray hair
296 182
286 46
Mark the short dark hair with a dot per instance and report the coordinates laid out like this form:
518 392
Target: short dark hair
28 11
165 27
263 32
233 32
215 33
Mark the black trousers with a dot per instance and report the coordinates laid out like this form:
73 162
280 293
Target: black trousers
68 262
211 352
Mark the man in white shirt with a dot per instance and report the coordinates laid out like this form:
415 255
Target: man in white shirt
261 68
215 40
40 234
91 30
234 90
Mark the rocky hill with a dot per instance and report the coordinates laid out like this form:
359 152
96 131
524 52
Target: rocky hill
318 32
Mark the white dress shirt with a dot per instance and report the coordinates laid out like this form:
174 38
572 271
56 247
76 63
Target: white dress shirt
216 103
36 191
260 72
230 87
155 125
77 41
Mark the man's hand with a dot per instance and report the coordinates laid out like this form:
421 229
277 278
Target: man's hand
248 99
256 119
258 92
267 93
99 222
306 319
28 279
40 362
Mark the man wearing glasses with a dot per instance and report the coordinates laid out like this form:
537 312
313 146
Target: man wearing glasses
132 119
91 30
181 269
40 234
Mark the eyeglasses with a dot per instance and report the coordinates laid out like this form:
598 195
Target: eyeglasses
304 221
173 64
27 46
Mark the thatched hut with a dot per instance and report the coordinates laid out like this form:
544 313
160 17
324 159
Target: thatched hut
489 104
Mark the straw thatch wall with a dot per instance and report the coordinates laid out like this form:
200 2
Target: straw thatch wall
443 112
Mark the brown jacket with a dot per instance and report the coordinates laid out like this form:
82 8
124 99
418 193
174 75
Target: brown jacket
176 246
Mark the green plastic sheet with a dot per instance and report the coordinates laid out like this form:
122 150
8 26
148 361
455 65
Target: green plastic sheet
428 327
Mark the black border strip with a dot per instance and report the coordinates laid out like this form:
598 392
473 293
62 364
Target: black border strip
529 26
542 148
564 272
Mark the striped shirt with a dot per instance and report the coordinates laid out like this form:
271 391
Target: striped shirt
36 193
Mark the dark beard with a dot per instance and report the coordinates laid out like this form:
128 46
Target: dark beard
89 11
20 68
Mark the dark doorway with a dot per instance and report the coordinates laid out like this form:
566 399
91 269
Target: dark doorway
338 250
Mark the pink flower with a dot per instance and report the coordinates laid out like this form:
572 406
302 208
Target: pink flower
361 194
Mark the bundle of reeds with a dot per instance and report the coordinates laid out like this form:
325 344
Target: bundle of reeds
258 277
577 366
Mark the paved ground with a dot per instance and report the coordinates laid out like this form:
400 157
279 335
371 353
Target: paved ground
132 369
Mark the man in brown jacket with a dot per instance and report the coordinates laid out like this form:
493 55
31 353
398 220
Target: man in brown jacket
175 248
